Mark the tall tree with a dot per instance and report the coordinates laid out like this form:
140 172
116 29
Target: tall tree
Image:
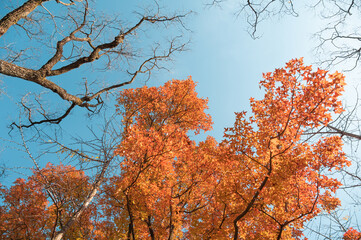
337 46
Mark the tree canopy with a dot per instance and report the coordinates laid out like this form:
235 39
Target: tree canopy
263 181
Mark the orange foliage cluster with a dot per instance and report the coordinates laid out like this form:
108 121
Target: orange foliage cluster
352 234
263 181
26 212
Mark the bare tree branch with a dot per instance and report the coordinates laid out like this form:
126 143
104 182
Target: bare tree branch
80 45
46 120
14 16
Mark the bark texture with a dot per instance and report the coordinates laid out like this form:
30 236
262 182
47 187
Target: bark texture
14 16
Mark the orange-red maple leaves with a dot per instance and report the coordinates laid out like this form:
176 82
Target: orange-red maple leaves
352 234
22 211
36 208
160 161
263 181
280 175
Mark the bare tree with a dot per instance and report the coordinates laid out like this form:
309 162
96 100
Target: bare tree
70 35
338 39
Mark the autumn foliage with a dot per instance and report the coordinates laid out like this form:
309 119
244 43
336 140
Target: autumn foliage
352 234
264 180
26 212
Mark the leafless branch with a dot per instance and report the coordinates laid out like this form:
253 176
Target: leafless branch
256 11
86 40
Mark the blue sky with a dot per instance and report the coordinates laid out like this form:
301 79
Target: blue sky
225 61
222 57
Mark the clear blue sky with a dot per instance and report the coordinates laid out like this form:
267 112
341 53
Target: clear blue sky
225 61
222 57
